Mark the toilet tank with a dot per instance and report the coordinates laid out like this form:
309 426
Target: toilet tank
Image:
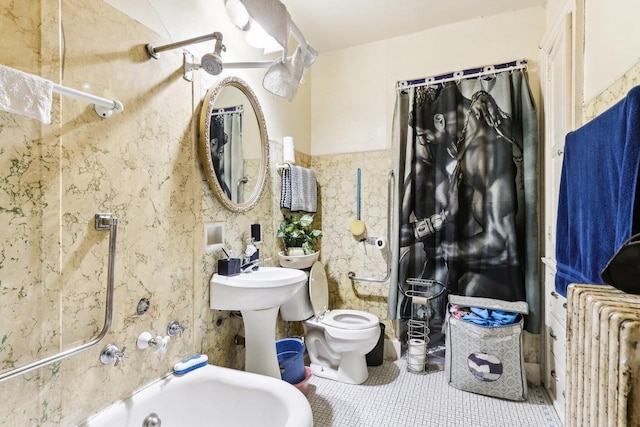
299 307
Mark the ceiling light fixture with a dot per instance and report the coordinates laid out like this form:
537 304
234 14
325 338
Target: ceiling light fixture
269 27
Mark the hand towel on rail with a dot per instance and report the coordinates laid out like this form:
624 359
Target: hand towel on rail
25 94
597 209
299 189
285 190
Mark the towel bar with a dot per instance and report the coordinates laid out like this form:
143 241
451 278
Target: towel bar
102 106
281 166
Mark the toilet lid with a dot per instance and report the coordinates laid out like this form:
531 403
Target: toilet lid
318 289
350 319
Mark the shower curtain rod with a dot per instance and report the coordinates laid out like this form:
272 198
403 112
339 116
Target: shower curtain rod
218 111
465 74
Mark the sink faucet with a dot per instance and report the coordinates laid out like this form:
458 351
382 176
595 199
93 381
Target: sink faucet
250 266
250 260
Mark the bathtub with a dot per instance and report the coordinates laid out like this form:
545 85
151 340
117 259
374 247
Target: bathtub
210 396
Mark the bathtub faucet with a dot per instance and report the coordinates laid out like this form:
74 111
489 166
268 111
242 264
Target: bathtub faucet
111 353
175 328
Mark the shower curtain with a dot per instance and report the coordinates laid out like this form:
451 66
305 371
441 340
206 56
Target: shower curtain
466 157
226 151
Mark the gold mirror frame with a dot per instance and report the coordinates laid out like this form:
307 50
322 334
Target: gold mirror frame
205 148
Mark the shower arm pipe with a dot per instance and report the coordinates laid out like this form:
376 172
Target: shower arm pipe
352 275
103 107
190 66
104 221
253 64
299 36
153 51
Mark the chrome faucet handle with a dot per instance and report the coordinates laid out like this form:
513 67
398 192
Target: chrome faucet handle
119 355
111 353
175 328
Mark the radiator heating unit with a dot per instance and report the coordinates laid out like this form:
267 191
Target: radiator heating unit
603 357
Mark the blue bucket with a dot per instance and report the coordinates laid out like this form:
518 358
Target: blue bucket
291 359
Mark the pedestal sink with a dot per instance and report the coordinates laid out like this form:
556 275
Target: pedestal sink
258 295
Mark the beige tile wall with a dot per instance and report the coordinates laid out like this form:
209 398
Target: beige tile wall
143 166
340 251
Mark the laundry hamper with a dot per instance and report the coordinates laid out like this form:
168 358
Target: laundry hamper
486 360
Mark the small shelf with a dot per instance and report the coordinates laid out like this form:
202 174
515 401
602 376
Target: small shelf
299 262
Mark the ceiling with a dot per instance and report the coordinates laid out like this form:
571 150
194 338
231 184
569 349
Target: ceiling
337 24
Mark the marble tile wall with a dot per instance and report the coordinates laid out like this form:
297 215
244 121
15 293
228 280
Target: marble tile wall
142 165
29 251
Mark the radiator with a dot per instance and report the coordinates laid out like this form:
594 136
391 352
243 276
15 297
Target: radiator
603 357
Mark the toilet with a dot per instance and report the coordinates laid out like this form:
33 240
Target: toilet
337 340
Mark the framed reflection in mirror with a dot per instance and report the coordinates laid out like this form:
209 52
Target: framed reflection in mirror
233 144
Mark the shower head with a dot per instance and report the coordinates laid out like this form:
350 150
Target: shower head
211 63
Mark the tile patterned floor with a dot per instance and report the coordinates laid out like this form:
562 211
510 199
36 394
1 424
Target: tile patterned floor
393 397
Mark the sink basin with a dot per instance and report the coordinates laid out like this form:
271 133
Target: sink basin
258 295
264 288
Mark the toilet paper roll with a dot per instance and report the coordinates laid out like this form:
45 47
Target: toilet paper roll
417 346
419 300
288 152
416 355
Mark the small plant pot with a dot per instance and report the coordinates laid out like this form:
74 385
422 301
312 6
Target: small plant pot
296 251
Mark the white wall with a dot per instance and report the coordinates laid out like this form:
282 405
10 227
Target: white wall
353 90
612 42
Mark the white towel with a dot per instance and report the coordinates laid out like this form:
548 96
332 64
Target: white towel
283 77
25 94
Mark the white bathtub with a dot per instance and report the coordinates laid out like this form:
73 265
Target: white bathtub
210 396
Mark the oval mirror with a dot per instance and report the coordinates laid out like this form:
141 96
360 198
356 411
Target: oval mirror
233 144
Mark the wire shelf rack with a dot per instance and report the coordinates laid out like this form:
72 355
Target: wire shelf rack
421 292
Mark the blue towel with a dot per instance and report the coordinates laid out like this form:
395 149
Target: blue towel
597 192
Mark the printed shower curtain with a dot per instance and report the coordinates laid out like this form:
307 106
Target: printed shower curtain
226 150
466 157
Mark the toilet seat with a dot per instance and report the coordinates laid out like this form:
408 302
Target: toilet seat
341 319
318 289
350 319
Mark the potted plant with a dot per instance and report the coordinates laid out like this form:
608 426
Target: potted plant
298 235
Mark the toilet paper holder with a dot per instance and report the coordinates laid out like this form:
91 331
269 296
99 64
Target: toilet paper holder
378 242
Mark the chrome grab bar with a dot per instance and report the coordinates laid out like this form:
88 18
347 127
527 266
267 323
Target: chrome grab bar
352 275
104 221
